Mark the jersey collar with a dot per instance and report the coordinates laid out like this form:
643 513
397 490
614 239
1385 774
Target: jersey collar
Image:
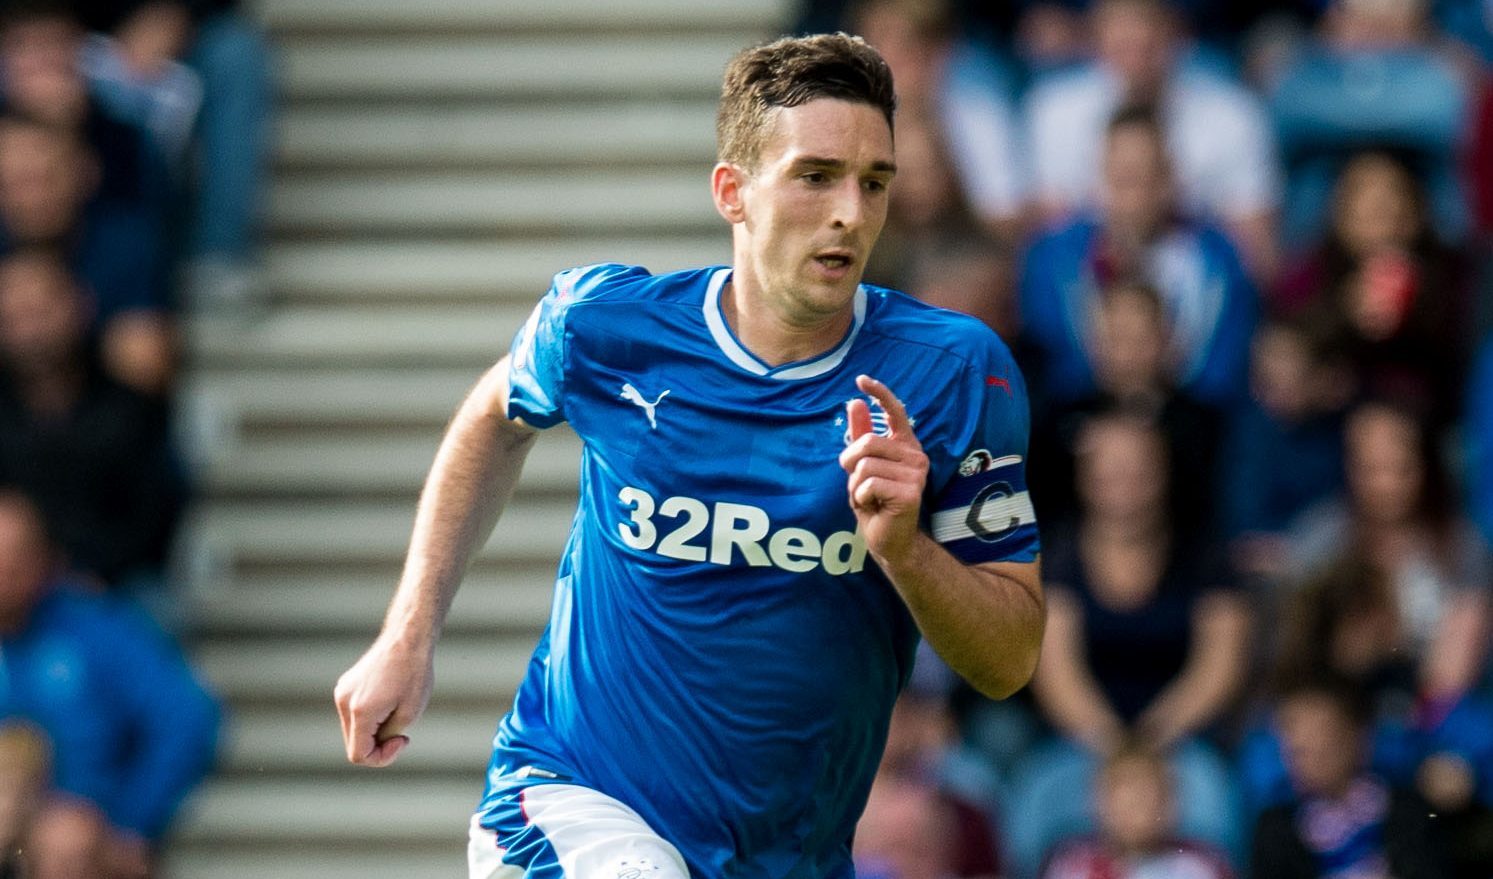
739 355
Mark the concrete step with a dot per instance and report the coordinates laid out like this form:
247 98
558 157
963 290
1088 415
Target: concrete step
516 600
472 335
360 805
385 397
292 741
344 859
367 463
339 15
482 135
365 272
229 532
482 669
427 202
505 67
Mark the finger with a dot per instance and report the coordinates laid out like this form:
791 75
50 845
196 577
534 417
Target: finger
879 492
874 445
361 739
339 701
859 416
880 468
897 418
386 750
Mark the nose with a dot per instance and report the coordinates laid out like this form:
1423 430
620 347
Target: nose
849 205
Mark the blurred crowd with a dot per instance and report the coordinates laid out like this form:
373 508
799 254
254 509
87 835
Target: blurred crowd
1244 255
133 140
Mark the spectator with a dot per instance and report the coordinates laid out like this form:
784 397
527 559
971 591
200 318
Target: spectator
956 84
1342 821
93 454
132 729
1052 36
41 46
1344 625
227 61
47 181
24 780
1145 637
1137 235
925 209
1479 437
1385 289
1397 518
1285 447
1375 79
915 824
1136 805
971 274
131 64
1131 359
1217 133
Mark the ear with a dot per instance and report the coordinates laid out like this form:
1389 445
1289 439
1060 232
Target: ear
726 184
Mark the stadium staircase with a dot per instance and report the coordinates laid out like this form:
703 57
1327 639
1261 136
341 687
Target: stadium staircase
437 161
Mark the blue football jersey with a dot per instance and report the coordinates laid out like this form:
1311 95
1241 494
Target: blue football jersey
723 654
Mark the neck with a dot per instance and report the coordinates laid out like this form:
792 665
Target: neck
771 330
1128 531
51 392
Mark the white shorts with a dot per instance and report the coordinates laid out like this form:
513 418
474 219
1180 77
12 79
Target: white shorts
564 831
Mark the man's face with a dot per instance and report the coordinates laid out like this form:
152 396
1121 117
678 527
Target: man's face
1134 40
39 60
43 183
41 316
1323 750
815 204
1130 349
1134 804
1121 471
1385 474
1137 194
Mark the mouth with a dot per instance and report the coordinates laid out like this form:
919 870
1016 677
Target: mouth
835 261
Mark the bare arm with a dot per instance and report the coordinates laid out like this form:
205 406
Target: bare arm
984 620
1457 653
1212 675
473 476
1065 688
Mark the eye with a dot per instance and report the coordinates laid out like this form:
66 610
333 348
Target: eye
815 177
876 185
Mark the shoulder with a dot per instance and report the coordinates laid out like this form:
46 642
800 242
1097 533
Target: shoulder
1069 94
585 288
1069 236
1213 94
1078 858
949 335
1189 858
99 624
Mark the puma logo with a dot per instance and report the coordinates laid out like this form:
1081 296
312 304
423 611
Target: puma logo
634 396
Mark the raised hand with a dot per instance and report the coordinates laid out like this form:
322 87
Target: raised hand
887 473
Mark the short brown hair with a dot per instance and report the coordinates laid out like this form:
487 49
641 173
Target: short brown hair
793 71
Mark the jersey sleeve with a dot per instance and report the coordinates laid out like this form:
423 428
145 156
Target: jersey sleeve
536 369
983 512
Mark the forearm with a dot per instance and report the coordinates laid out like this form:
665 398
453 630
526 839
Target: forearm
1189 704
474 475
1459 650
985 622
1213 674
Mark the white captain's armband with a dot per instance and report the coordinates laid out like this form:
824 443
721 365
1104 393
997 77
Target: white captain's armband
985 514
